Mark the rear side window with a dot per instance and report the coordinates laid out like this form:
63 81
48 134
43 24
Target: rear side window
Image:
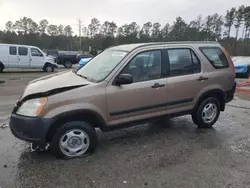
22 51
215 56
183 62
12 50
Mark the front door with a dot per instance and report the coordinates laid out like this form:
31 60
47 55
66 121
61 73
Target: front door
145 97
186 79
36 59
23 57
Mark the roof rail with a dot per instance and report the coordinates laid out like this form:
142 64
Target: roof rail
139 45
177 42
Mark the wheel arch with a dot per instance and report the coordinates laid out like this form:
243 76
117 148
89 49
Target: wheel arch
217 93
47 63
89 116
2 65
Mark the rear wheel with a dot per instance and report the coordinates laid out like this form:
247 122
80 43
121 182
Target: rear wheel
67 64
207 113
74 139
48 68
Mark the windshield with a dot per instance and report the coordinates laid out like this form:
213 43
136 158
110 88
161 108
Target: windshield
98 68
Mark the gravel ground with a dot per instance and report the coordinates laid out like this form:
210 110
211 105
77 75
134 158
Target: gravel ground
169 154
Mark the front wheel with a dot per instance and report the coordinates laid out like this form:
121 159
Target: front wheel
207 113
74 139
48 68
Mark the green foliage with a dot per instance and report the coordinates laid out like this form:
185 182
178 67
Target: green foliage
210 28
229 20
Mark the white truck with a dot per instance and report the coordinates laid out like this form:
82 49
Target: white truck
23 56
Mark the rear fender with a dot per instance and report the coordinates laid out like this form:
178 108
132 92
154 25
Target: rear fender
217 93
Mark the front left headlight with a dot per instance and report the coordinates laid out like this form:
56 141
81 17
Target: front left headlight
32 107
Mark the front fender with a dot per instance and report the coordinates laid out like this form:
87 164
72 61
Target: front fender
52 64
206 90
67 108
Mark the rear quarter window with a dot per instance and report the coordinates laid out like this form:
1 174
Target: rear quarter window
215 56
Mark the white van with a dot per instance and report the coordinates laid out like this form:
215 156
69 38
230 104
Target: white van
23 56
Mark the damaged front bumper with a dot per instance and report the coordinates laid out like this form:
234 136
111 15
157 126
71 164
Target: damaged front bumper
30 129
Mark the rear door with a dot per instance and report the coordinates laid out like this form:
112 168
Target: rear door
186 78
23 57
221 71
13 57
36 58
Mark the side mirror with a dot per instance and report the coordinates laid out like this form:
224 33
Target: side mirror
124 79
41 55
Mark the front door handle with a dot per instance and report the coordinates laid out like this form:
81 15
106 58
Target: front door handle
201 78
157 85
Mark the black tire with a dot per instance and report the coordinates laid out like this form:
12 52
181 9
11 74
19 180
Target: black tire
68 64
198 114
49 68
79 125
194 119
1 68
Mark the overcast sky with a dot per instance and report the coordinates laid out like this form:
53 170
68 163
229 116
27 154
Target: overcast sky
66 12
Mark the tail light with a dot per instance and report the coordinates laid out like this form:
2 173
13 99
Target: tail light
230 59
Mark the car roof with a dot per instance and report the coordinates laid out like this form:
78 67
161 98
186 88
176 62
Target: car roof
130 47
18 45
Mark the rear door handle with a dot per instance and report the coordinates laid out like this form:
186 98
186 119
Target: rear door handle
201 78
157 85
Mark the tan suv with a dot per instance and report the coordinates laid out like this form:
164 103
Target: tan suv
123 86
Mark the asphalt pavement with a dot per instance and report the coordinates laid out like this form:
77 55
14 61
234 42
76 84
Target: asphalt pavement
167 154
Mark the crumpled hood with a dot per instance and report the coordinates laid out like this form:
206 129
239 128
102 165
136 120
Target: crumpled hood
60 81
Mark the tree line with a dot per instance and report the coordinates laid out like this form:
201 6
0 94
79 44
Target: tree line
213 27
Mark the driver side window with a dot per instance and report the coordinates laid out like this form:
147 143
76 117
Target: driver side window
144 66
36 52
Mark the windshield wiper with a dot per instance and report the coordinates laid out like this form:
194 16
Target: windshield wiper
82 76
85 77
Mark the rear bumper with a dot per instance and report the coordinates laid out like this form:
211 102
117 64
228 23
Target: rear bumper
30 129
230 94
